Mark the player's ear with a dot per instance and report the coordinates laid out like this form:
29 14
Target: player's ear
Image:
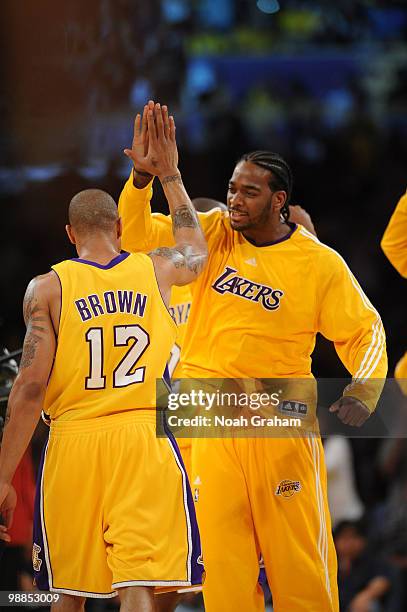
278 200
119 227
71 235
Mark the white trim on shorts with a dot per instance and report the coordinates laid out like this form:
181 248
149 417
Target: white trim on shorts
185 500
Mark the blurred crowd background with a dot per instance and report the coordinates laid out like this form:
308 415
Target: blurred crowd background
322 83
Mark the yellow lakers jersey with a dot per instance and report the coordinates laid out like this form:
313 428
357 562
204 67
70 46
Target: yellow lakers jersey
115 336
394 241
256 310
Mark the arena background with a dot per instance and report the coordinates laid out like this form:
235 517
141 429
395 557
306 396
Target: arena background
322 83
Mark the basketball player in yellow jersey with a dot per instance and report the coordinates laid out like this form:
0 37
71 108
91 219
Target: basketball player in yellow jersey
268 289
394 245
114 507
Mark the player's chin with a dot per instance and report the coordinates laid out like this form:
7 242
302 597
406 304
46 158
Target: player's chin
239 226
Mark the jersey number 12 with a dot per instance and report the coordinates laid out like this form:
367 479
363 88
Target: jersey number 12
124 373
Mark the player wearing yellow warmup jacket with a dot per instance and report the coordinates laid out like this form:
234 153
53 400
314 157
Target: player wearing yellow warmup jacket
267 290
394 245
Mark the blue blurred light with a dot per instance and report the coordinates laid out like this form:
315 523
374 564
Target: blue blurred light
268 6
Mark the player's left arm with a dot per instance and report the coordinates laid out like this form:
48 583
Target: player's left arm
300 215
27 395
347 317
394 241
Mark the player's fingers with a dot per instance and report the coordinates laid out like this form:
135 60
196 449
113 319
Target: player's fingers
344 413
129 153
137 125
362 418
166 121
159 120
354 419
8 517
150 105
151 126
334 407
144 122
172 128
4 536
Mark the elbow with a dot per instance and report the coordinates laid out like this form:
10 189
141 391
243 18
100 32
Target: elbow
28 390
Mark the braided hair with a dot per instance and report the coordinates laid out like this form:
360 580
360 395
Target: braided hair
281 175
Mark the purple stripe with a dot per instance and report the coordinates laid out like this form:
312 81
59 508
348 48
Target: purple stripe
41 576
265 244
197 569
116 260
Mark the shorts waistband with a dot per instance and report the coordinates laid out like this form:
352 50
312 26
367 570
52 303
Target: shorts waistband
105 423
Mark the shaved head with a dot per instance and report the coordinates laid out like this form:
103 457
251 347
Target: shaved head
207 204
92 210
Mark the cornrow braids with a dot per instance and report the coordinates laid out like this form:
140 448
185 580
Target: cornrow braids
281 175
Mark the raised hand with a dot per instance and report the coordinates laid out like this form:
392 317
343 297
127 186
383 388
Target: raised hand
154 149
139 146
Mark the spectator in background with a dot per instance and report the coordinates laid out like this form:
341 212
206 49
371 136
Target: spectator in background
365 581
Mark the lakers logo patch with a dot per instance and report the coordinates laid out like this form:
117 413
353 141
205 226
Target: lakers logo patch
287 488
231 282
37 562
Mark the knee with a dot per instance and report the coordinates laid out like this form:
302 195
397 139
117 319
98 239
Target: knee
69 603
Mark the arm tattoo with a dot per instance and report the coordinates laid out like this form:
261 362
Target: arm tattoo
184 257
184 216
172 254
174 178
33 317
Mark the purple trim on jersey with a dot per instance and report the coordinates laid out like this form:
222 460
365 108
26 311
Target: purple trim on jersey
167 378
262 579
116 260
41 576
266 244
197 569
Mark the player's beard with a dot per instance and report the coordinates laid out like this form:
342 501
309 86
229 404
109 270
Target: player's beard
257 222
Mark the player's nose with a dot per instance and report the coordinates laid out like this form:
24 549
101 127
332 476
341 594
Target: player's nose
236 200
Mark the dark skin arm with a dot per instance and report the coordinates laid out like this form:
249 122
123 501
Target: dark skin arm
181 264
350 411
41 313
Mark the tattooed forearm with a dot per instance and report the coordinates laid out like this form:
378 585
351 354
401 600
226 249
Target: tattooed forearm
172 254
183 257
184 216
174 178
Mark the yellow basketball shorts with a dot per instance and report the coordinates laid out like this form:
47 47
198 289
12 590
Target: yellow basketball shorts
185 447
264 495
113 509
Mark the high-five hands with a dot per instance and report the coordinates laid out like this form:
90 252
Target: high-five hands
154 148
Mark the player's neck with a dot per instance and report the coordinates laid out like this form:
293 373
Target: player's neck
99 249
270 233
